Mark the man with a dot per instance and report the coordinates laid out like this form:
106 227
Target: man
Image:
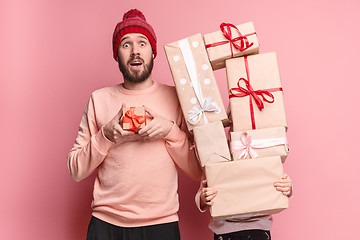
135 190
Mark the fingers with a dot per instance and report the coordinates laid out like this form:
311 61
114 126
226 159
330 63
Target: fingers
153 133
286 190
204 184
123 132
147 130
285 179
157 128
150 129
287 193
121 135
120 131
149 111
121 111
284 185
209 194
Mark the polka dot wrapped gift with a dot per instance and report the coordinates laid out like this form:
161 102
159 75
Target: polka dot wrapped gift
195 82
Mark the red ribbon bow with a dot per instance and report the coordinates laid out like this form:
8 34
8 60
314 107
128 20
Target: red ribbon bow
242 92
242 39
244 42
249 91
134 120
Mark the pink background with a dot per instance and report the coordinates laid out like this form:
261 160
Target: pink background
55 53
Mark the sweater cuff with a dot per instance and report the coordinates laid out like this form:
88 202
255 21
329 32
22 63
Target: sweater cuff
197 201
102 143
173 135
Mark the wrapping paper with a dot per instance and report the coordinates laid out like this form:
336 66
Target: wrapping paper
246 187
133 118
259 143
255 92
195 82
211 143
220 45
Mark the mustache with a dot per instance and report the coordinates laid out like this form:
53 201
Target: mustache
132 58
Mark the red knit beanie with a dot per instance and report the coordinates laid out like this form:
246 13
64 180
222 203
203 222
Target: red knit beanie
133 22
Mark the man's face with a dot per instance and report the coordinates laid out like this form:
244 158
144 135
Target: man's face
135 57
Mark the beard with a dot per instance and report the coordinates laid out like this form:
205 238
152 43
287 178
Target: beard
136 76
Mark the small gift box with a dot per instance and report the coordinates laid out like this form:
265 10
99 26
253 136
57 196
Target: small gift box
259 143
246 187
195 82
255 92
133 118
211 143
231 41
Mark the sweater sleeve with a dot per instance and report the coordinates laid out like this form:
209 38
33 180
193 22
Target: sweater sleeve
90 148
178 143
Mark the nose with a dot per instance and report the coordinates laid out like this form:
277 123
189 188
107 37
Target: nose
135 50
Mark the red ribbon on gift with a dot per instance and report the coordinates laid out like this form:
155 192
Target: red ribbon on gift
249 91
242 39
134 120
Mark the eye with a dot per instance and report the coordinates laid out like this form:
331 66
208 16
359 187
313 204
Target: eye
126 45
142 44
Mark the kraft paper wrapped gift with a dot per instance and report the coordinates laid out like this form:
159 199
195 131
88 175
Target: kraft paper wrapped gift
134 118
195 82
255 92
246 187
231 41
211 143
259 143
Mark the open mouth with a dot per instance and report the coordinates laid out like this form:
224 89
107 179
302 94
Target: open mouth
136 63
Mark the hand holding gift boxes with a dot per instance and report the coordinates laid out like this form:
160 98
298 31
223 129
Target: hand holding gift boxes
133 118
246 187
195 82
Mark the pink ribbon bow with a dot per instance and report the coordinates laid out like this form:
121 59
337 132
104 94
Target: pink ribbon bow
244 145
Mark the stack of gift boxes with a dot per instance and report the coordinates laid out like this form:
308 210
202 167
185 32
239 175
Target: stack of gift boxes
243 169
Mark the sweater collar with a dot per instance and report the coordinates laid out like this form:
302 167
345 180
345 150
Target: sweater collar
138 92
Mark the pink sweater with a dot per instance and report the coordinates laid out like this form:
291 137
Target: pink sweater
136 183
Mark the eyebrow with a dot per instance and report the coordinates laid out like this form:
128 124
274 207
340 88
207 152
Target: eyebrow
123 39
141 36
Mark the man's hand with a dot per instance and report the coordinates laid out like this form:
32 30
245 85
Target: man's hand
284 185
158 127
114 132
206 195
